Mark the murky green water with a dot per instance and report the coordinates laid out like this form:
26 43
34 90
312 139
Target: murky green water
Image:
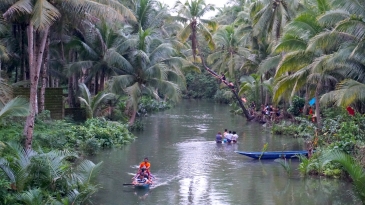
190 168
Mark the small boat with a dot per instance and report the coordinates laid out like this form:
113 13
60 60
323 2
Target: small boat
274 154
142 186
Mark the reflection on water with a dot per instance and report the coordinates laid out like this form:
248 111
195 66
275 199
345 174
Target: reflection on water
190 168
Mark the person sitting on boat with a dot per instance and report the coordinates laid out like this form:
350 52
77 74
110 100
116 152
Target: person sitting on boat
145 164
218 137
234 137
142 179
142 171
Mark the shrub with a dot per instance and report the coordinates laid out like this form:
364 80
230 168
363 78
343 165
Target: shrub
297 105
200 85
222 96
106 133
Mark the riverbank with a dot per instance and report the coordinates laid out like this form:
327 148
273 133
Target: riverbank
56 171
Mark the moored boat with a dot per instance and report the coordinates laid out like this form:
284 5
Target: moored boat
273 154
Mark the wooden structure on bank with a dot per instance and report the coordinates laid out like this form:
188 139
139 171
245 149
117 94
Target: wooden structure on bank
53 100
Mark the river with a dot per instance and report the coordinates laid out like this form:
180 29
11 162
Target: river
191 169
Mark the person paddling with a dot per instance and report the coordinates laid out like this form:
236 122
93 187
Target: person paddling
143 167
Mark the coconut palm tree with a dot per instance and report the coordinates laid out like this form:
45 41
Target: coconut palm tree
93 104
304 63
191 13
153 69
230 55
271 16
349 40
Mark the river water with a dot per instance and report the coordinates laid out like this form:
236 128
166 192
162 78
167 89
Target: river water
190 168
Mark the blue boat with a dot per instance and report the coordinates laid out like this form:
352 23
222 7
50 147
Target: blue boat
274 154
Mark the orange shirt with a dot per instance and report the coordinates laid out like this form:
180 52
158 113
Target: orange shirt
146 164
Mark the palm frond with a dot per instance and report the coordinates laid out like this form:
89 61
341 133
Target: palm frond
329 40
207 36
134 93
6 92
44 15
354 27
185 33
332 17
292 62
85 93
290 43
269 63
353 168
103 9
87 171
16 107
347 92
21 6
31 197
113 58
98 100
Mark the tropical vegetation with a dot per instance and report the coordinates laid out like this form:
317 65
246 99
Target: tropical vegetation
118 59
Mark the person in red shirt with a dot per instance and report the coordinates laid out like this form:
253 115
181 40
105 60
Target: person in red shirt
145 164
144 167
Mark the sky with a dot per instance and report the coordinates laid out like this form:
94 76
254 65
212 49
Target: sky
216 3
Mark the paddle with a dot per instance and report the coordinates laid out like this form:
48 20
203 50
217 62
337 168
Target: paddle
127 184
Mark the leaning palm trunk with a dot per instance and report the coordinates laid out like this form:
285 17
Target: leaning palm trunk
317 112
306 100
36 49
245 111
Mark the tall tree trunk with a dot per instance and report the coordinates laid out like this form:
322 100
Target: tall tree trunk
96 83
36 45
245 111
71 102
23 56
317 112
44 75
306 100
262 90
266 97
102 79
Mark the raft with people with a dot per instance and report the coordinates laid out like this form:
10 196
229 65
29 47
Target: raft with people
143 178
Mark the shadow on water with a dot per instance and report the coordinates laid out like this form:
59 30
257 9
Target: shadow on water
190 168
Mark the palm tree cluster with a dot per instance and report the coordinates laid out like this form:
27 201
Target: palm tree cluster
309 48
270 49
127 46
